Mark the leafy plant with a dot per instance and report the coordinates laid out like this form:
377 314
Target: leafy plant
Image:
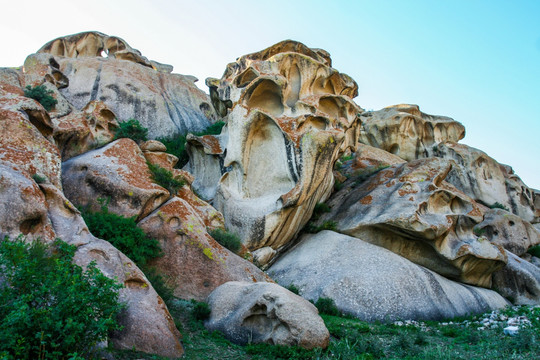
498 205
229 240
327 225
534 251
327 306
292 288
49 307
42 95
201 311
319 209
165 178
39 179
214 129
123 234
132 129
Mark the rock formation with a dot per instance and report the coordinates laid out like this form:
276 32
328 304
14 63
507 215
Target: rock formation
265 313
291 116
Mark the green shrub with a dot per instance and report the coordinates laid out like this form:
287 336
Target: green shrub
123 234
327 306
201 311
534 251
292 288
49 307
42 95
177 146
132 129
229 240
165 178
214 129
39 179
498 205
327 225
338 185
320 208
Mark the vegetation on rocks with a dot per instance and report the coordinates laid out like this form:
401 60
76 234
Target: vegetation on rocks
227 239
42 95
51 308
498 205
132 129
165 178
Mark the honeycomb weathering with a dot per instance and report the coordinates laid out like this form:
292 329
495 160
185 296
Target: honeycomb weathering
289 115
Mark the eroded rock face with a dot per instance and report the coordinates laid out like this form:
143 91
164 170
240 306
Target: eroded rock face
372 283
265 313
410 209
405 131
291 117
193 261
509 231
26 137
117 172
148 326
130 85
485 180
518 281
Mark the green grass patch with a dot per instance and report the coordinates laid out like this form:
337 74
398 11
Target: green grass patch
227 239
166 178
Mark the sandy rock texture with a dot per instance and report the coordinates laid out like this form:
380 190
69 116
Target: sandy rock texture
372 283
410 210
289 115
105 68
265 313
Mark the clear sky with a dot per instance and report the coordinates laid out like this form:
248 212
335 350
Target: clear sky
477 61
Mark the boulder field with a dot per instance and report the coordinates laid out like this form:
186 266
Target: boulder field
384 212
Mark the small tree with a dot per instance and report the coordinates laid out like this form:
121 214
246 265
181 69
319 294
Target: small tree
132 129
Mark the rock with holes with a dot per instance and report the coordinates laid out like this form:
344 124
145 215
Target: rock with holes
148 326
292 115
488 182
407 132
193 263
366 160
23 209
374 284
265 313
26 137
511 232
518 281
82 131
129 84
116 173
410 209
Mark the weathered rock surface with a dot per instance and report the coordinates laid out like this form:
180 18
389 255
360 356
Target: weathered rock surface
129 84
410 210
518 281
485 180
193 262
265 313
509 231
148 326
291 116
117 172
372 283
407 132
26 137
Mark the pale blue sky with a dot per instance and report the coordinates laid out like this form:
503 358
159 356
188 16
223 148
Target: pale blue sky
477 61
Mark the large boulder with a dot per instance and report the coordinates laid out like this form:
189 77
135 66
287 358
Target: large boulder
148 326
291 116
410 210
374 284
265 313
105 68
193 262
407 132
518 281
116 173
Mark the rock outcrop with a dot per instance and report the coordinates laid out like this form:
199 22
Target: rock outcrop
290 117
410 210
372 283
105 68
265 313
519 281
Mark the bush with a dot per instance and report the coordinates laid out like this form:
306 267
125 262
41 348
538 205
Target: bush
49 307
327 306
39 179
534 251
292 288
123 234
498 205
201 311
165 178
176 146
42 95
132 129
229 240
214 129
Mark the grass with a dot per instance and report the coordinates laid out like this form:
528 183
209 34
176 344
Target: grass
165 178
355 339
227 239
